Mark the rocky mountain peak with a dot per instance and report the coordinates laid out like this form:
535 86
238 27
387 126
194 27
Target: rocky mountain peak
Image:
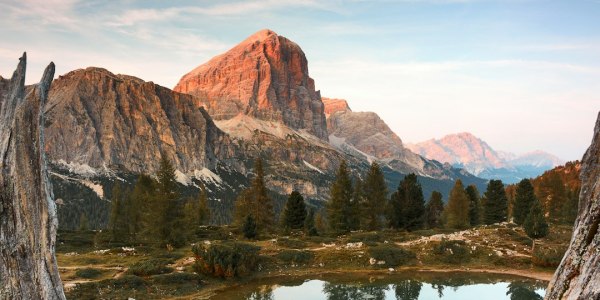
333 105
266 77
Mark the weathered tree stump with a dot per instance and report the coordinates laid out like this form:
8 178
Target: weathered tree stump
578 275
28 221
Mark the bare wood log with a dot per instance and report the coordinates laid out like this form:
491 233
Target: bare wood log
28 220
578 275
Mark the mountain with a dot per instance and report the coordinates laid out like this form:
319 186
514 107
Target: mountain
266 77
104 129
577 275
333 104
464 150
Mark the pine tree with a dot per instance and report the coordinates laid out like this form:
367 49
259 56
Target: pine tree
457 210
354 211
474 206
118 218
197 211
143 213
434 210
340 205
535 224
309 223
524 198
407 205
375 195
496 203
171 221
294 212
249 228
255 201
83 222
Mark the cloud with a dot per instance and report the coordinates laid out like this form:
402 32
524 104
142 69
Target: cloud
44 12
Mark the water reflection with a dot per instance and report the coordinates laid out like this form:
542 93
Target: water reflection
403 287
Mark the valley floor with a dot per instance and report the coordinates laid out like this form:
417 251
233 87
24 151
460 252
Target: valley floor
89 272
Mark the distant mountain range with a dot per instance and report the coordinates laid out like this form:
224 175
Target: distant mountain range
464 150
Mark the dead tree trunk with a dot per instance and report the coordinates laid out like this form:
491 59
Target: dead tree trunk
28 219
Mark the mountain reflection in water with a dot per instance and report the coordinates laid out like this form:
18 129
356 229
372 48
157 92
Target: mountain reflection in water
433 286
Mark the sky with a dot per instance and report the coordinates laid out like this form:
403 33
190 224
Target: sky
520 74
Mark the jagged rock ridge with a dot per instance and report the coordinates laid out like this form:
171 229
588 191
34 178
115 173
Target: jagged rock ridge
266 77
578 275
100 120
28 220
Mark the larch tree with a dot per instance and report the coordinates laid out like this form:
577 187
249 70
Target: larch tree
457 210
434 209
375 198
496 204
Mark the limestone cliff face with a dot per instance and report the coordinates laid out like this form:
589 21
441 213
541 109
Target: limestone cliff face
578 276
333 105
28 219
103 120
266 77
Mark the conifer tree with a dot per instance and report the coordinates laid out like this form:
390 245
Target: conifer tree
309 223
357 203
434 210
340 205
474 206
457 210
524 198
255 201
196 210
170 221
375 195
249 227
294 212
496 203
83 222
407 205
535 224
118 218
143 213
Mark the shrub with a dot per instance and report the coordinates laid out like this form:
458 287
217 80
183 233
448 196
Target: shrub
392 256
149 267
295 256
125 282
452 252
291 243
88 273
226 259
550 257
365 237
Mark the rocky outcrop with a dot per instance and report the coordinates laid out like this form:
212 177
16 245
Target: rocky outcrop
578 276
99 120
266 77
28 220
333 105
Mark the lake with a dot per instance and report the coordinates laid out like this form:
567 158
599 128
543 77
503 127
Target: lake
416 285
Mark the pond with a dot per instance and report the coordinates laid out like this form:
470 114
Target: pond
463 286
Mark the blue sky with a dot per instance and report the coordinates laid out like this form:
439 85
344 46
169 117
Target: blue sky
522 75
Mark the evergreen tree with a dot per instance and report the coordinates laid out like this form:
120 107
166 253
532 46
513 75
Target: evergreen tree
535 224
294 212
375 195
340 205
524 198
309 223
118 218
255 201
83 222
569 208
495 204
407 206
170 221
143 212
434 210
474 206
457 210
356 205
196 210
249 228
